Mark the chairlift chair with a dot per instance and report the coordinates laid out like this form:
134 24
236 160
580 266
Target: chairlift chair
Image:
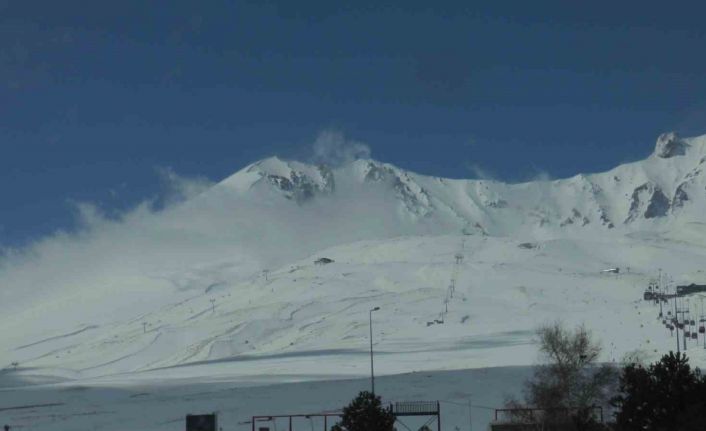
694 336
692 322
702 329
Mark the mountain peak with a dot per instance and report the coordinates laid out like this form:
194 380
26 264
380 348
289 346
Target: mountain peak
666 186
669 145
296 180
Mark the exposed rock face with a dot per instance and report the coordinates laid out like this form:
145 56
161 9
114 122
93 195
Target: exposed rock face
496 203
575 217
415 198
670 145
489 197
300 187
680 196
658 205
648 201
603 217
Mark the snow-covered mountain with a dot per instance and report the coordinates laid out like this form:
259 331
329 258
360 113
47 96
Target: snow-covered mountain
230 283
668 186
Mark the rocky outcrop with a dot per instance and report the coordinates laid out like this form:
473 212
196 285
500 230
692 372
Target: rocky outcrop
670 145
603 217
648 201
680 196
658 206
496 203
415 198
575 218
300 187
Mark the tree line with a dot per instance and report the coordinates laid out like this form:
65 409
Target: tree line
570 388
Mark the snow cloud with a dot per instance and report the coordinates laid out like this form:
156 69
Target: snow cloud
178 187
479 172
333 148
199 233
540 175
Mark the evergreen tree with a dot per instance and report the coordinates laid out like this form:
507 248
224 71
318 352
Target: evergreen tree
365 413
668 395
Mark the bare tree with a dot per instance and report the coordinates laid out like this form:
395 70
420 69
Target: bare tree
570 382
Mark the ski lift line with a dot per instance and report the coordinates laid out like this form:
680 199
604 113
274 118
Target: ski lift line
451 288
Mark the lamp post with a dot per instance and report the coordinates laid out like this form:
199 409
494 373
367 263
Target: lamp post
372 370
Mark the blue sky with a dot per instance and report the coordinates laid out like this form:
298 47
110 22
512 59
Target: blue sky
96 96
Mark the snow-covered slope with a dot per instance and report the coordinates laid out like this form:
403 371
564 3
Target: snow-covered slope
227 282
502 290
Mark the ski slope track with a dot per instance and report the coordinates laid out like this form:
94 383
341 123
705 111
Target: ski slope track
463 271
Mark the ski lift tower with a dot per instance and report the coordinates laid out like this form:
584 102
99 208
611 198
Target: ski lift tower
680 325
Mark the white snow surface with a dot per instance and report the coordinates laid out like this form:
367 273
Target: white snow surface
223 289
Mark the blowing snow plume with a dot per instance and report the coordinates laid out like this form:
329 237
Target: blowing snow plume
211 231
332 148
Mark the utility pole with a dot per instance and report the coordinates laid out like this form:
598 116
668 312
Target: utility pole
683 314
683 317
144 327
701 319
687 320
660 294
372 368
676 318
213 305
